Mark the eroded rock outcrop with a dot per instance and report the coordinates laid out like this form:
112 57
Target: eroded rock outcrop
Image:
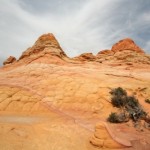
9 60
103 139
46 49
126 44
68 95
122 53
85 57
105 52
47 44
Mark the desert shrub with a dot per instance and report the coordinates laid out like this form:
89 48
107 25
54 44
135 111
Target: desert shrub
137 114
129 105
118 101
147 101
113 118
118 92
132 102
134 109
142 114
117 118
118 97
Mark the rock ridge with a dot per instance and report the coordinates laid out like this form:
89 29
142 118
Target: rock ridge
47 50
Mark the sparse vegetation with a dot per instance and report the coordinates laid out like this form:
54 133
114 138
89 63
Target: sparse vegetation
118 97
147 101
117 118
129 105
118 92
132 102
113 117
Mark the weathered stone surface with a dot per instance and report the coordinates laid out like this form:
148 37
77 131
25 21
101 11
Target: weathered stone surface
50 101
123 52
46 49
126 44
105 52
86 57
103 139
9 60
47 44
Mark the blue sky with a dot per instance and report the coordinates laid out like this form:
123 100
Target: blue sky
79 25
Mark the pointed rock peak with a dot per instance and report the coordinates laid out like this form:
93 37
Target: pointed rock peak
47 40
126 44
46 44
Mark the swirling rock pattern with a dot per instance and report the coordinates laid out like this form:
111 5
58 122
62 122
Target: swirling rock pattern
51 101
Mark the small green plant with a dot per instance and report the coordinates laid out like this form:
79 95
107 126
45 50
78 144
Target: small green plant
117 118
118 97
118 92
118 101
132 102
121 99
129 105
147 101
113 118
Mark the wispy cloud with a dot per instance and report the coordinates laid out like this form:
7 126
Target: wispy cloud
80 26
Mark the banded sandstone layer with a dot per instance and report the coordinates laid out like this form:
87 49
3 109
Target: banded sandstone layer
51 101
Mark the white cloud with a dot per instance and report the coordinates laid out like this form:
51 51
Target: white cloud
87 26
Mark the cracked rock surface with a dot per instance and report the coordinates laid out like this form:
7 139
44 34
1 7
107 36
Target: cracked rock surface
51 101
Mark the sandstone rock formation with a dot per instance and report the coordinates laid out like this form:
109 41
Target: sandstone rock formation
102 138
9 60
46 44
105 52
51 101
126 44
123 52
86 57
46 48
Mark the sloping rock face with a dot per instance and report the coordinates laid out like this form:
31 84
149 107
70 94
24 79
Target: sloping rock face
9 60
50 101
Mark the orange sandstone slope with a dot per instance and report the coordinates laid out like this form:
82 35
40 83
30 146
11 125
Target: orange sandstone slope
51 101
